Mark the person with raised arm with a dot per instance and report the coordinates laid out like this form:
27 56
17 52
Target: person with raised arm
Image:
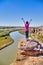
26 28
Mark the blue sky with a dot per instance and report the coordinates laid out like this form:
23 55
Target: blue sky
11 12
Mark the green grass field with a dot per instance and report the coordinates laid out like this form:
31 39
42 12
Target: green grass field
5 39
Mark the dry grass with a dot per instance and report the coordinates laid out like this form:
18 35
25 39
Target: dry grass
34 36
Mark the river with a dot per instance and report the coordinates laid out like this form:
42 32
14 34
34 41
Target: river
8 54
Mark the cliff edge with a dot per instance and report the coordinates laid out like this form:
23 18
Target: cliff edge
29 53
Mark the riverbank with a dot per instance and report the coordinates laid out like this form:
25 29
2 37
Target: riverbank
5 41
5 38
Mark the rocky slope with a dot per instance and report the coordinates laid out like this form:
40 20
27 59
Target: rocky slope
29 58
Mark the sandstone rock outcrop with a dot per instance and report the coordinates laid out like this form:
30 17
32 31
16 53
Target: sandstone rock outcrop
27 53
29 45
30 60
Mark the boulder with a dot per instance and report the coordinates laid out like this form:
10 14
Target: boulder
28 45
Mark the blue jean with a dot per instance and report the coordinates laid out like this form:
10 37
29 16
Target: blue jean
26 34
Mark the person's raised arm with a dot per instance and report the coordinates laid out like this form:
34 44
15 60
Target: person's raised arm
23 20
30 21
